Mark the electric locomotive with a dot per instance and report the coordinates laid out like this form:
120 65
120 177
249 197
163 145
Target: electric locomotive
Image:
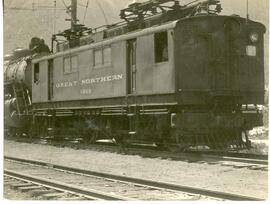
170 74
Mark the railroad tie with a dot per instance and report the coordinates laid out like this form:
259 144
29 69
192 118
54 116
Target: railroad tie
29 188
53 195
73 199
8 179
18 185
41 192
11 183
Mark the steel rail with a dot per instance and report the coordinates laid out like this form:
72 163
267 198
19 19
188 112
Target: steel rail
88 193
138 181
229 158
219 156
201 155
230 155
198 155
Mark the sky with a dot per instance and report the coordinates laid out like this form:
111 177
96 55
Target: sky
21 25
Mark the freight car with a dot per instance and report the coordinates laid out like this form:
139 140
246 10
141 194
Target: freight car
183 76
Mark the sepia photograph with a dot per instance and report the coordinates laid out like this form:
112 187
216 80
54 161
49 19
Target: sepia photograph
135 100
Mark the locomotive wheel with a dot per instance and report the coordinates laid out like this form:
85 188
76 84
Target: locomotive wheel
11 132
160 145
91 136
176 143
94 137
122 141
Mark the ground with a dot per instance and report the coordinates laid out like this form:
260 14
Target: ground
11 194
259 135
212 176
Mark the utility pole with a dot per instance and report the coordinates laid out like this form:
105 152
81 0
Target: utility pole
73 9
247 19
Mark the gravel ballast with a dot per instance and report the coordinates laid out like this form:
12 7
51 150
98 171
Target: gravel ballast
213 176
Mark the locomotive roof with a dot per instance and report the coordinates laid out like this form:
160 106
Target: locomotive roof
130 35
107 41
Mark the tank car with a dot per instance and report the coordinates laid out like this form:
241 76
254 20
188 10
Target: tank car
183 77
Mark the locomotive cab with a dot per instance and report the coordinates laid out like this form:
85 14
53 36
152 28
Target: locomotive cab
219 69
222 56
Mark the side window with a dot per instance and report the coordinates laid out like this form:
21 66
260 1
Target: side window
161 47
70 64
67 65
36 73
74 63
107 55
102 56
98 57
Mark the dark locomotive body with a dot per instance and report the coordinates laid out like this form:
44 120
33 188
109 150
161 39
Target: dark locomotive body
17 89
218 76
18 86
193 81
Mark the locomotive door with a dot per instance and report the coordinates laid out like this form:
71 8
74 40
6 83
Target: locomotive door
131 66
50 79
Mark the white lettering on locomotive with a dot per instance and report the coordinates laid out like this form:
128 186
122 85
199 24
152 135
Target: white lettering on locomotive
89 81
85 91
66 84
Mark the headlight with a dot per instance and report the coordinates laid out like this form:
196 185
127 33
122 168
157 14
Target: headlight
254 37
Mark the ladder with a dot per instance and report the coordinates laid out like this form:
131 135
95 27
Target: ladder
23 100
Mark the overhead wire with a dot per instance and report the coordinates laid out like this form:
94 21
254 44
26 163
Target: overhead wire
103 12
85 10
64 4
54 16
34 6
68 11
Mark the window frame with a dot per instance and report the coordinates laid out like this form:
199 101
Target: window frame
71 68
36 71
110 56
103 64
71 63
157 39
66 58
94 57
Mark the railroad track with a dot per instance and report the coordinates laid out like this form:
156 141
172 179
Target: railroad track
41 188
73 183
253 161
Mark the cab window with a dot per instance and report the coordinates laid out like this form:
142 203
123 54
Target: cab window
36 73
161 47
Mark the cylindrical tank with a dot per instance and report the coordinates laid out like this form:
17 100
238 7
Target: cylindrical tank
17 67
17 80
16 71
